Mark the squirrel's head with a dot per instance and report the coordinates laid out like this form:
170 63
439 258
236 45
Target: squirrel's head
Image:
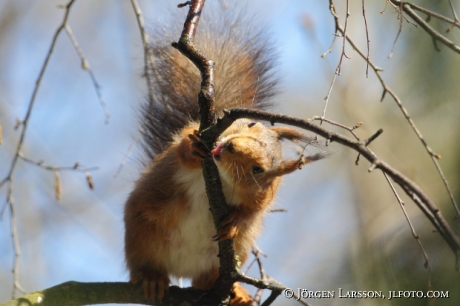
249 154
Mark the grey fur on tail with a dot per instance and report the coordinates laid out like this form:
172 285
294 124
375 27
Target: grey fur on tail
244 74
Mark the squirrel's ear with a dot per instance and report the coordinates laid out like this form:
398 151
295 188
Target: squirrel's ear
289 134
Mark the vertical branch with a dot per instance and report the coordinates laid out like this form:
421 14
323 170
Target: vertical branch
455 17
202 62
25 122
149 61
149 69
257 253
386 89
228 263
400 19
15 238
85 65
414 234
342 55
37 86
367 39
432 32
130 149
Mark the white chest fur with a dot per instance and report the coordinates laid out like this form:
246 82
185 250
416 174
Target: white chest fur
192 250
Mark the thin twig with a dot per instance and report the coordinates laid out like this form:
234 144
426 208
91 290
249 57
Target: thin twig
149 65
367 39
454 22
399 32
128 152
399 9
457 22
432 32
85 65
258 283
149 68
35 91
149 61
387 89
350 129
41 164
257 253
278 210
57 182
390 55
331 48
398 6
385 8
373 137
273 295
15 238
342 55
414 234
24 124
436 36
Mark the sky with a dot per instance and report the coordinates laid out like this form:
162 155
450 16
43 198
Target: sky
80 236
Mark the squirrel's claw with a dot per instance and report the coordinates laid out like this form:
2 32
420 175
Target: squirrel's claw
228 226
199 150
302 161
155 285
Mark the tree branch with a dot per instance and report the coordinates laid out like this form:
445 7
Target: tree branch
386 89
420 198
407 8
228 263
100 293
414 234
75 293
24 123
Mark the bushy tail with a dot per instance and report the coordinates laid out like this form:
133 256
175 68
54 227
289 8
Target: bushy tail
244 75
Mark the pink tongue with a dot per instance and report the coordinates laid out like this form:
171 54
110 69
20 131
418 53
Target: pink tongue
216 151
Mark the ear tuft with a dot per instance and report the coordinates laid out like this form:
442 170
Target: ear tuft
290 134
303 140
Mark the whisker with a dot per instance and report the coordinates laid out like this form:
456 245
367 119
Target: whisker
255 180
239 177
255 93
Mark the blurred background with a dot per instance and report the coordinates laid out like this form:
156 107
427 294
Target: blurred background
343 227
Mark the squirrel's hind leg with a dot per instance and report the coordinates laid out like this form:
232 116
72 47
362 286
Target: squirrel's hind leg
206 280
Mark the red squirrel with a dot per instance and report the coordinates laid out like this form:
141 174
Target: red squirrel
169 226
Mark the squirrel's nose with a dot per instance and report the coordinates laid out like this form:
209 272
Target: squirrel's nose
221 146
216 151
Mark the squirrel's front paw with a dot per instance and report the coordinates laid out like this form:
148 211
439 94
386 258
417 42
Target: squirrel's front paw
154 284
199 150
229 225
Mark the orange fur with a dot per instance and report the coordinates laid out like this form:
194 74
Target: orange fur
169 227
169 203
240 296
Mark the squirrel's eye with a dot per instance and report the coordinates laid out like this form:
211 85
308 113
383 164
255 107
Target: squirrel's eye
257 170
251 124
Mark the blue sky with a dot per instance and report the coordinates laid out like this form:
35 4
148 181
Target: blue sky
80 237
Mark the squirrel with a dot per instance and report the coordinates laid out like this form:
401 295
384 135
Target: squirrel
169 230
